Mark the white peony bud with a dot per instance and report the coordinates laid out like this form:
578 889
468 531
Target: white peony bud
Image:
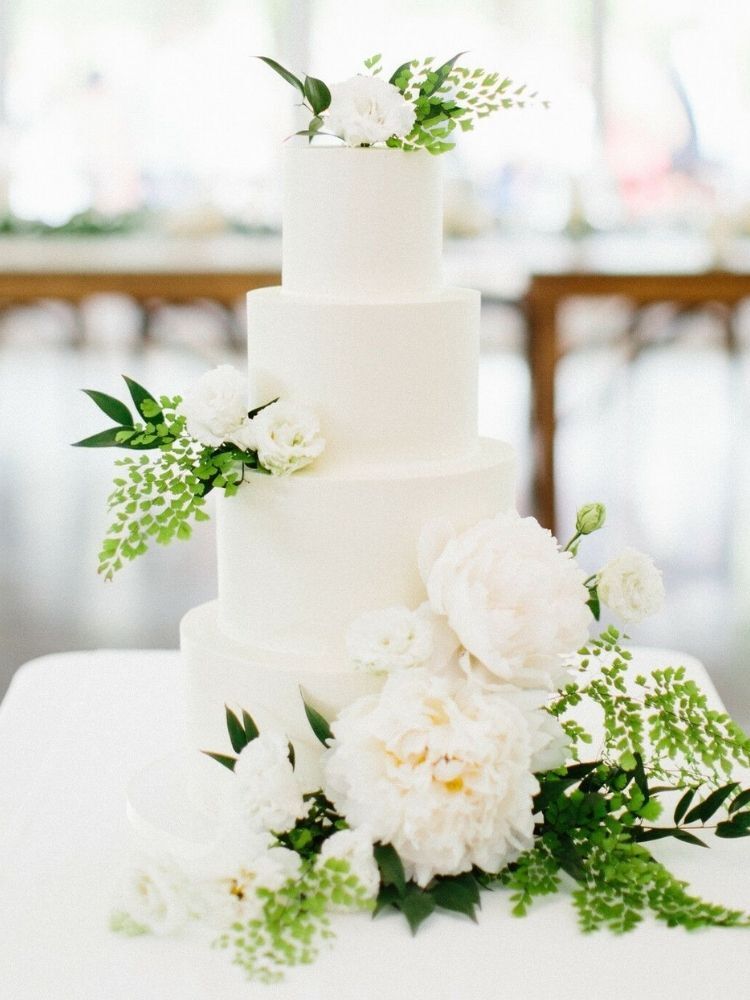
365 110
631 585
286 436
215 406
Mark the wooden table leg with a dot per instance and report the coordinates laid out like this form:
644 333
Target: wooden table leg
543 353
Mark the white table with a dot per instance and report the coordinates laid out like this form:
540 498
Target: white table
75 727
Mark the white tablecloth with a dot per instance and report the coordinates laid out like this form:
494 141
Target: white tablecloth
75 727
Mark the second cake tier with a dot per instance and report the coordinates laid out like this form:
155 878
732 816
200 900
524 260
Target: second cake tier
392 382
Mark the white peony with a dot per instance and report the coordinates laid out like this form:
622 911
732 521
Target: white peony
215 406
266 790
631 585
286 437
515 601
243 437
157 895
439 768
354 847
390 639
233 896
365 110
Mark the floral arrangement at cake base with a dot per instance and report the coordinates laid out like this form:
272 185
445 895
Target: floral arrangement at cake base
470 769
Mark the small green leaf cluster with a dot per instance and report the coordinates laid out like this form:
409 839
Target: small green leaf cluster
158 497
120 922
456 893
294 921
452 96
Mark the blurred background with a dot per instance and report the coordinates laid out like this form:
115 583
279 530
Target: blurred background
139 198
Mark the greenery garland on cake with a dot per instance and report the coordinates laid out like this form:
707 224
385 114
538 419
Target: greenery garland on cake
418 107
471 769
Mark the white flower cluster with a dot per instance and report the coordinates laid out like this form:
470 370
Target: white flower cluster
222 884
441 764
365 110
285 435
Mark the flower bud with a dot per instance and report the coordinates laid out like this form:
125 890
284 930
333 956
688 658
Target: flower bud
590 518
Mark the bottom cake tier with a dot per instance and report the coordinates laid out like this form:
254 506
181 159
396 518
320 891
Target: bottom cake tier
220 671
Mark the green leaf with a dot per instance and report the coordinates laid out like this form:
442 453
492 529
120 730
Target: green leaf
139 395
251 730
387 896
594 603
257 410
222 758
284 73
460 894
104 439
705 810
436 80
318 724
391 867
397 72
291 754
683 805
728 830
743 799
689 838
236 730
317 94
112 407
416 906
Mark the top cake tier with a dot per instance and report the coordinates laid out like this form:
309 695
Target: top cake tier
361 225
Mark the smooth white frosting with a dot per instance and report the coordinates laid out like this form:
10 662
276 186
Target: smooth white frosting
361 225
390 382
220 671
301 557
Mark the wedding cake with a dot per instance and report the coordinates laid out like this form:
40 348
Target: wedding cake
365 332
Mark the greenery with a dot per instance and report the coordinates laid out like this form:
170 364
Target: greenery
445 97
158 496
294 921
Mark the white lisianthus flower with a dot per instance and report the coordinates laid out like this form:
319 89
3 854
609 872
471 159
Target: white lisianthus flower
234 897
215 406
439 768
157 895
515 601
390 639
354 847
365 110
243 437
631 585
266 789
286 437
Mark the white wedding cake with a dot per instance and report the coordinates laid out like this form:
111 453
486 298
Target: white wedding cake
364 331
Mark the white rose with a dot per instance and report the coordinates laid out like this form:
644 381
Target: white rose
286 437
631 585
234 897
354 847
390 639
157 895
439 768
365 110
266 789
243 437
216 405
515 601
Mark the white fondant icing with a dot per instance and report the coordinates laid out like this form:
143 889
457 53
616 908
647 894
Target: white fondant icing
361 224
390 382
220 671
301 557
